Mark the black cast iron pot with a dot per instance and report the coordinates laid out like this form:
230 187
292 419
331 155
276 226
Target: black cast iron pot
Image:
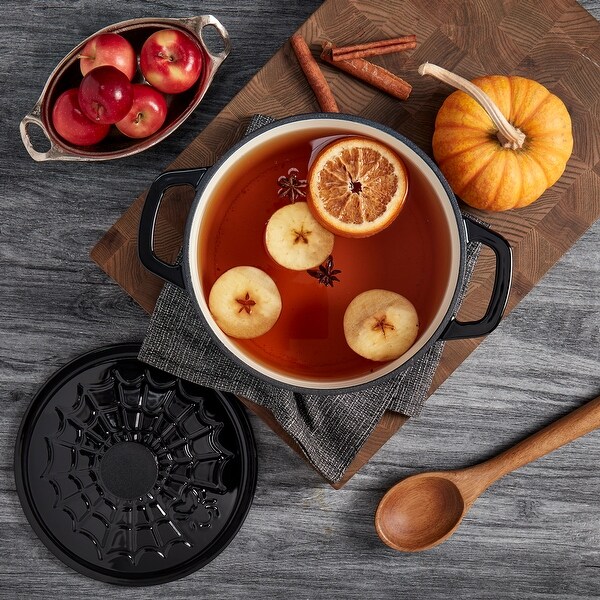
457 231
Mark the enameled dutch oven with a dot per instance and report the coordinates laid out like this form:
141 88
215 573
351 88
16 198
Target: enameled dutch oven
460 230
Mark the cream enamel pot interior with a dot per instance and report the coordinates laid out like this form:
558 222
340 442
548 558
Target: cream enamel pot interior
461 229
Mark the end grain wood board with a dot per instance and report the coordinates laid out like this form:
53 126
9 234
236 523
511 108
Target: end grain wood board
555 42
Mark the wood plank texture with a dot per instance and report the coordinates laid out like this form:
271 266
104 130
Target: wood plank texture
517 38
534 534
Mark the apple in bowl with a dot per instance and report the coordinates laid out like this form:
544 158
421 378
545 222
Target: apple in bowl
108 50
171 61
105 95
72 125
147 114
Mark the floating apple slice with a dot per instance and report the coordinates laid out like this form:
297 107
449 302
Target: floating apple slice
295 239
244 302
380 325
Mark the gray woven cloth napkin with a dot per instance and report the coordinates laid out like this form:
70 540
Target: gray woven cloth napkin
330 429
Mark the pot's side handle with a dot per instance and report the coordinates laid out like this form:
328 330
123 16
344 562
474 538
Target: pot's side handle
171 273
457 330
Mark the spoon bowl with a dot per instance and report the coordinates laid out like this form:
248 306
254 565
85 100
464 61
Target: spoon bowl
420 512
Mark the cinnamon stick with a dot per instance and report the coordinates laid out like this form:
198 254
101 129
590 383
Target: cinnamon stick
373 51
313 74
399 44
369 73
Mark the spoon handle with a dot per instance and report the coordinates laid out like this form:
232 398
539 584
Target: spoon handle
566 429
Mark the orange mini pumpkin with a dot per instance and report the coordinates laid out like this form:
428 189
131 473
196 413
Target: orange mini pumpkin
500 141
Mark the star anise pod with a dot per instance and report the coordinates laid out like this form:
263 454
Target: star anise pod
382 324
291 186
246 303
326 273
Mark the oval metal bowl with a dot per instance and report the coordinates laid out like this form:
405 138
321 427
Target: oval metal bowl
68 75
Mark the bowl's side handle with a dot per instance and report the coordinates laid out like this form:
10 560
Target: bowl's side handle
197 24
457 330
35 118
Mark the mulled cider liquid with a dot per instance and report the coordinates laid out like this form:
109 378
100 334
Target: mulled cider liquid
409 257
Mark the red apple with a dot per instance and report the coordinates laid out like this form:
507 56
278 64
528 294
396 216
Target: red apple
171 61
105 95
147 114
72 125
108 50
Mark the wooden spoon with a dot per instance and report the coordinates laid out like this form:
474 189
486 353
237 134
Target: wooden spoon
424 510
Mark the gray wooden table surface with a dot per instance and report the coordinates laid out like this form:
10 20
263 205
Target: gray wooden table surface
535 534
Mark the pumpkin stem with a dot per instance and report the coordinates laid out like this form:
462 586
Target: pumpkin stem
508 135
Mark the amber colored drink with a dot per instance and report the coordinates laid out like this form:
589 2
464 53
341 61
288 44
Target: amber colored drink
409 257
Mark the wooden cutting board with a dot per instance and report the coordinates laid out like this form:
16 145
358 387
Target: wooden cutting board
555 42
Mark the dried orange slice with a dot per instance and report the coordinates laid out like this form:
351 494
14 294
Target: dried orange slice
357 187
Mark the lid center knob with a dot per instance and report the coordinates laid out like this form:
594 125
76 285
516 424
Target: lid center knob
128 470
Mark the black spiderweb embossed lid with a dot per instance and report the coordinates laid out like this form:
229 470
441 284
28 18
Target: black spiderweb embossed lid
130 475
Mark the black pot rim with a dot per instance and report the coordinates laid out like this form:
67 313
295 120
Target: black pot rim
452 307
